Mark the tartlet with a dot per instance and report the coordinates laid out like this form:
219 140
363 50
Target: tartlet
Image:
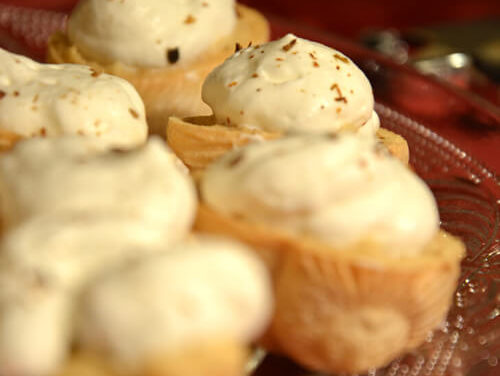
361 271
99 273
290 85
169 82
43 100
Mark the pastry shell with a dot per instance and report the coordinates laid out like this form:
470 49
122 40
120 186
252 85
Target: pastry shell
174 90
216 358
198 141
347 310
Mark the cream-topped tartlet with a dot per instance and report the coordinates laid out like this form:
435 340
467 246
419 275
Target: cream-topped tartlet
94 257
290 85
56 100
164 48
360 268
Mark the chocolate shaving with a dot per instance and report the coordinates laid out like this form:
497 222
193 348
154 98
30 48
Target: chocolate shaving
249 44
173 55
95 73
2 94
237 47
287 47
341 58
312 56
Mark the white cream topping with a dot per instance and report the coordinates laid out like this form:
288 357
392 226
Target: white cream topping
71 215
54 100
291 84
342 191
58 176
201 290
142 32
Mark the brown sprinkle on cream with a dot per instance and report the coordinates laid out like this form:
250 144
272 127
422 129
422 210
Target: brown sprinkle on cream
315 64
339 110
235 161
279 59
189 19
133 113
340 97
173 55
234 83
35 98
332 135
204 4
258 89
95 73
251 56
255 75
228 120
16 93
2 94
43 131
312 56
341 58
287 47
237 47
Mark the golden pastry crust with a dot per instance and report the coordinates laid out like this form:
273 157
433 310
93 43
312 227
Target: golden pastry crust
174 90
349 310
218 358
199 141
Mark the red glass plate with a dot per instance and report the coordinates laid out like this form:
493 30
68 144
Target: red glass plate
449 132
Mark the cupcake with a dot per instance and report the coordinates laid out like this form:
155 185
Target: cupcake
290 85
42 100
164 48
98 276
361 271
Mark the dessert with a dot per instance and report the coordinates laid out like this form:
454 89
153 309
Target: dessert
97 275
290 85
361 271
164 48
55 100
